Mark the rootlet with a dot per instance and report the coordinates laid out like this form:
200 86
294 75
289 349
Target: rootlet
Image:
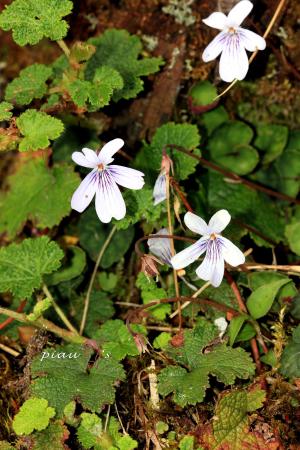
59 355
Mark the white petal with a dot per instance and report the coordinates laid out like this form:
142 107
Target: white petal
216 46
189 255
219 221
161 247
216 20
222 325
109 200
81 160
252 41
109 149
91 155
231 253
84 194
211 270
160 189
129 178
195 223
239 12
234 61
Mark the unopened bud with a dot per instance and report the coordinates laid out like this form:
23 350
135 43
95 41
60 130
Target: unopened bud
149 265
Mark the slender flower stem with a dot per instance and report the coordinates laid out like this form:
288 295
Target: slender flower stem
61 43
9 350
266 33
172 248
92 280
45 325
9 320
59 311
195 295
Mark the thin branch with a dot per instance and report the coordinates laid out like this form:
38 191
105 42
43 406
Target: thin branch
58 310
235 177
45 325
63 46
9 350
195 295
92 280
9 320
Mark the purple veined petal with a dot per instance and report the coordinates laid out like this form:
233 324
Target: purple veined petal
91 156
84 194
109 149
190 254
216 20
160 189
127 177
213 50
161 247
212 267
234 62
219 221
196 224
231 253
239 12
81 160
252 41
109 201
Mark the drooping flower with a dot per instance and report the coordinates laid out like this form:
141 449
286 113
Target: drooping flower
218 249
160 187
161 247
232 42
103 182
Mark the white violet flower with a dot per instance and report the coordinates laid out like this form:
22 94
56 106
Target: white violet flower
103 182
218 249
232 42
160 189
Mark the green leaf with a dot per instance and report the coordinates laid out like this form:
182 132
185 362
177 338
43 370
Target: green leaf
72 270
150 292
187 443
127 443
290 359
99 92
257 279
120 50
22 266
31 21
37 128
260 301
30 84
271 139
62 380
223 362
213 119
115 340
39 308
235 327
38 194
91 431
92 235
182 135
54 436
162 340
292 233
230 147
139 207
34 414
5 109
203 93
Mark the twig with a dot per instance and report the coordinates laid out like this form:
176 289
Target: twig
270 26
9 350
61 43
154 397
92 280
287 268
107 418
235 177
45 325
170 228
9 320
58 310
195 295
120 421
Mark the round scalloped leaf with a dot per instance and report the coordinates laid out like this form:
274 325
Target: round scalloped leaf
32 20
229 147
34 414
